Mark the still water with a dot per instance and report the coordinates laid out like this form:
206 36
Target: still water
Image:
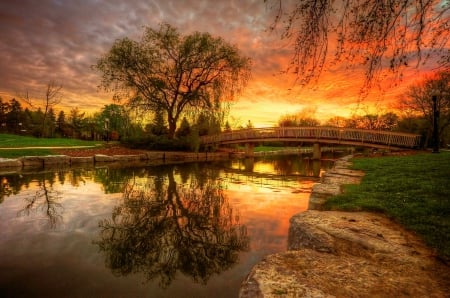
186 230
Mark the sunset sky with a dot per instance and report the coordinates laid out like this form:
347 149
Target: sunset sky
60 40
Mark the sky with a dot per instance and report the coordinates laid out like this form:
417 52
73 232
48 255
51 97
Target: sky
59 40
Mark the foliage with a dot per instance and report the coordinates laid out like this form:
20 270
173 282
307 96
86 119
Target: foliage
161 229
154 142
51 98
165 71
411 189
377 35
418 102
305 117
14 119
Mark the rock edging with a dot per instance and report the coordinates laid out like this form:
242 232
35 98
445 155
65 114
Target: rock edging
48 161
347 254
332 182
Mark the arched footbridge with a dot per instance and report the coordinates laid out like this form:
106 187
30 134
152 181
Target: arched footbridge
317 135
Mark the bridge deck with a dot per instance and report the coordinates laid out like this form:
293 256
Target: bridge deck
330 135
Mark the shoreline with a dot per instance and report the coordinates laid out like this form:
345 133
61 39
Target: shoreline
141 159
347 254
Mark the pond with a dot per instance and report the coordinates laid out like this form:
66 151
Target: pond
184 230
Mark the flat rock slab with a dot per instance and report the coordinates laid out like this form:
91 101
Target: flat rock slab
349 254
10 163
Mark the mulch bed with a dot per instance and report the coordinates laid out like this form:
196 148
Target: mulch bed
86 152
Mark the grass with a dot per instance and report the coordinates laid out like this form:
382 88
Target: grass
414 190
17 153
23 145
16 141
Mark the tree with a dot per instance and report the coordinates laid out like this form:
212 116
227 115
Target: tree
4 110
162 229
304 117
374 34
51 98
170 72
76 119
61 123
158 125
337 121
185 128
50 123
14 117
116 117
418 101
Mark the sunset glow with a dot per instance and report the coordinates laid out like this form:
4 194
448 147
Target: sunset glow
60 40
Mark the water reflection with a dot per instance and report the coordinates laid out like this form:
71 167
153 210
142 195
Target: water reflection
280 166
45 200
191 230
163 227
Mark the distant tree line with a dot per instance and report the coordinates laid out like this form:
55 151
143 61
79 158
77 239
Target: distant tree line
415 112
113 122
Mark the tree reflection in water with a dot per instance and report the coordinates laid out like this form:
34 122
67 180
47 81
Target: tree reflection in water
163 227
45 200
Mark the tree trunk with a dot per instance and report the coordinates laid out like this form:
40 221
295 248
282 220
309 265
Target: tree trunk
172 127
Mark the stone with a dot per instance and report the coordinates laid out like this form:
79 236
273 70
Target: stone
155 155
32 161
10 163
104 158
127 157
346 254
55 160
81 160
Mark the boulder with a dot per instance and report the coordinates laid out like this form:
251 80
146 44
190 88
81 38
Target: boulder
344 254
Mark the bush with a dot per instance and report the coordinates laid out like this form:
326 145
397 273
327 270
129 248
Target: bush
153 142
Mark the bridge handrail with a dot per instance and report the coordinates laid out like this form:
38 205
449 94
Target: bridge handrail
317 133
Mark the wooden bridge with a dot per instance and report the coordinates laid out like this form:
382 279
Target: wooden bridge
317 135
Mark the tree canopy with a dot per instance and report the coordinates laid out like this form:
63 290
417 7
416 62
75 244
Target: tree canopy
166 71
379 35
418 101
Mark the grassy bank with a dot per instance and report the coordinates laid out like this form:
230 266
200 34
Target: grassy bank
14 146
414 190
16 141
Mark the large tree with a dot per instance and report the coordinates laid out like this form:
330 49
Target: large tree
171 72
378 34
418 101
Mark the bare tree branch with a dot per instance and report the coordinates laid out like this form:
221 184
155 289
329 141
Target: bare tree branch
383 36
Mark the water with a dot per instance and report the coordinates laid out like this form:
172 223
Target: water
187 230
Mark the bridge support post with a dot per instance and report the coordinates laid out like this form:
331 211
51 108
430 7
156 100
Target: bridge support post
317 154
249 149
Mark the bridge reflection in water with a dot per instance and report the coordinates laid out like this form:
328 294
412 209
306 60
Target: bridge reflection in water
317 135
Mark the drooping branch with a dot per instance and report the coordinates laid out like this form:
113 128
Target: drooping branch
377 35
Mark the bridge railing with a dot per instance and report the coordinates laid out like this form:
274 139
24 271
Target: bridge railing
330 134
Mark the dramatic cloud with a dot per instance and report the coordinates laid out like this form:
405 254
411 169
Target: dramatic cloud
60 40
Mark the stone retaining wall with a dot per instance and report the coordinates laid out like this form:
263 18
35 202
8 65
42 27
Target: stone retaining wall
40 162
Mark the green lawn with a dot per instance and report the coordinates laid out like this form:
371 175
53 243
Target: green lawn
16 144
16 141
414 190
